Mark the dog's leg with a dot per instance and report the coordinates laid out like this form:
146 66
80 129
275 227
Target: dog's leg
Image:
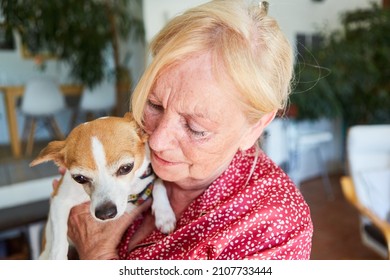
69 195
162 210
47 241
57 230
56 247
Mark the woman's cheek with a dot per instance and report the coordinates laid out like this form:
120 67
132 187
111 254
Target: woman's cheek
150 121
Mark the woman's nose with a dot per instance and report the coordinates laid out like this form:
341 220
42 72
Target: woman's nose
162 136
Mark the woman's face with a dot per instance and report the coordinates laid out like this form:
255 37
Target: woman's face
195 127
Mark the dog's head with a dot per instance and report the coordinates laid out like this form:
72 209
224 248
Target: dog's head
106 157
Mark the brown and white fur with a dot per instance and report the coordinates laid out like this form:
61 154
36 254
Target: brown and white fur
105 160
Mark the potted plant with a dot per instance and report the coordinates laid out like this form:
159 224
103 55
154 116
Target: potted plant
78 33
348 76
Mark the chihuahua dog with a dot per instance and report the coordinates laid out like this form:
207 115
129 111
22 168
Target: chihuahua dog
107 162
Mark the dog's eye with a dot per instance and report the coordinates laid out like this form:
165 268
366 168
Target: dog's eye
125 169
81 179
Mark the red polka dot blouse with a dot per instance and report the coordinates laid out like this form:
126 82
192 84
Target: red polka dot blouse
252 211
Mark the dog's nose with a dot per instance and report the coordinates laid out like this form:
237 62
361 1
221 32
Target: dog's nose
106 211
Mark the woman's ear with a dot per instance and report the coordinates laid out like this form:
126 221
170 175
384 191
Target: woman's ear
256 130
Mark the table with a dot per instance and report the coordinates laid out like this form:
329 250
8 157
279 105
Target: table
22 215
12 93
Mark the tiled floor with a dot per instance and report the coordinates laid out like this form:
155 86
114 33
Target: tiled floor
336 233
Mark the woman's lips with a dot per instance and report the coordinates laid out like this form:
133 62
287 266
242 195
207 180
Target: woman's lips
163 161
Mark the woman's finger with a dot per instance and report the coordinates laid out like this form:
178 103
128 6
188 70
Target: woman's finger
56 183
61 170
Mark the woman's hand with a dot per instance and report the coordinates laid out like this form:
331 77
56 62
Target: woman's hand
98 240
56 183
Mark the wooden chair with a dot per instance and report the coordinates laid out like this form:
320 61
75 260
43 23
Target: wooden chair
367 186
41 101
95 102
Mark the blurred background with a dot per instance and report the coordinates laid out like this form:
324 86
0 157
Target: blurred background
64 62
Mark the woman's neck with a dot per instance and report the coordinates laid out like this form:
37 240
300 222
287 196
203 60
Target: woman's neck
180 198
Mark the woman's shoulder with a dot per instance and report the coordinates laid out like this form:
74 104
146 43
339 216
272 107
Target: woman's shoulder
266 175
253 178
274 191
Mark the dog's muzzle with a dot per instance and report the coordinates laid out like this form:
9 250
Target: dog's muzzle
106 211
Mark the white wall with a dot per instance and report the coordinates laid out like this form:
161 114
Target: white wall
157 13
293 15
307 15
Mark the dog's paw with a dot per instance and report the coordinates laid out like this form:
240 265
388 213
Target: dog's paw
165 220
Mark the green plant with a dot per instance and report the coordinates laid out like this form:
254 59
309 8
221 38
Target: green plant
76 32
348 76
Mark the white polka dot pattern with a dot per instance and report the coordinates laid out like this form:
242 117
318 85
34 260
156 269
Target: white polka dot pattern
264 217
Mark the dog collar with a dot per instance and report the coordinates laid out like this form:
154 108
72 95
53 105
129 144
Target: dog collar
138 199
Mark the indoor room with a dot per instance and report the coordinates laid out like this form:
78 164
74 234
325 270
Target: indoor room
63 63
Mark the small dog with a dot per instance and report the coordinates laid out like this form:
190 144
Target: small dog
108 163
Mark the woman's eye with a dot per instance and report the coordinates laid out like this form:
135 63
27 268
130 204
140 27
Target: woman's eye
125 169
155 106
81 179
196 133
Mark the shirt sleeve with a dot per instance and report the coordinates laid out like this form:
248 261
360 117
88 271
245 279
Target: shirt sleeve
281 230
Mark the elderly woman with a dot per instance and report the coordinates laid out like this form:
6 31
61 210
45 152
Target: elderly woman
220 73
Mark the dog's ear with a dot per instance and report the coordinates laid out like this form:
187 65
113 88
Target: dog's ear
53 151
128 116
141 133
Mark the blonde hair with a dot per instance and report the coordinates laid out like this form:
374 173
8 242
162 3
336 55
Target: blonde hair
248 43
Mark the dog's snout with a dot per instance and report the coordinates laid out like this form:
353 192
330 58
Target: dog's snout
106 211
